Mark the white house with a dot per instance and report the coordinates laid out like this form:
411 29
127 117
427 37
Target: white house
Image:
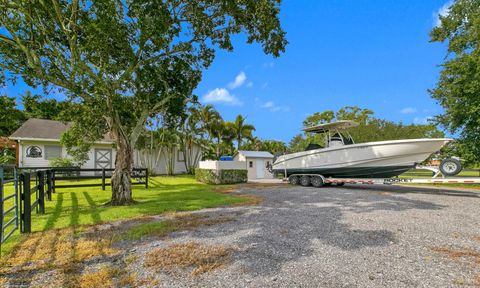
256 163
38 142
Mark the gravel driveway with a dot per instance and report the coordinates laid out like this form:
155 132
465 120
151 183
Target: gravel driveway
351 236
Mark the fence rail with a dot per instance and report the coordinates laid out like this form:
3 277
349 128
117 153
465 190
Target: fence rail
8 175
30 187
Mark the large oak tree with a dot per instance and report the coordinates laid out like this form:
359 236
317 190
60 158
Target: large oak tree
458 89
124 61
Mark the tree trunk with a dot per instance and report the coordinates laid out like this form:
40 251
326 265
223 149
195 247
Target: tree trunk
121 181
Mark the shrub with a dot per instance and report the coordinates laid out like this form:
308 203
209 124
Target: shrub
221 176
61 162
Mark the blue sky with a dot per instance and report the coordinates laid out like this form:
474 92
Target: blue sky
372 54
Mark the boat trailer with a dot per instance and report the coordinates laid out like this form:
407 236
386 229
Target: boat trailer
318 180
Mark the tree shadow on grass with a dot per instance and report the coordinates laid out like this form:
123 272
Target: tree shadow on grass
50 223
95 215
75 213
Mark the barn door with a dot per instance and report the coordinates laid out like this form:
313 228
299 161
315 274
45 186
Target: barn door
103 158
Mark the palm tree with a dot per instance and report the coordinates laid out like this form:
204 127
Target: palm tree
240 129
209 118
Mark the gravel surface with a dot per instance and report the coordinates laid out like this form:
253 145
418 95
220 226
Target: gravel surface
351 236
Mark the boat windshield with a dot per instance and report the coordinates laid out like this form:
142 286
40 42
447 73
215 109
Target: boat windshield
333 136
337 138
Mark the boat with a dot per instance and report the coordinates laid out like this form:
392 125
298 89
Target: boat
341 157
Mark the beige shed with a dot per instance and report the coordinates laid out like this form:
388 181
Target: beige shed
256 163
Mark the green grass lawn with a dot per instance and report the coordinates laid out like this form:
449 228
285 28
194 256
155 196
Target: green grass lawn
428 174
71 207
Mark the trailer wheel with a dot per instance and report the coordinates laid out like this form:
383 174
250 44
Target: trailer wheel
294 180
305 180
317 181
450 167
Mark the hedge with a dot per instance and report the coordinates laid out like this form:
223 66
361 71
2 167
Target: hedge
221 176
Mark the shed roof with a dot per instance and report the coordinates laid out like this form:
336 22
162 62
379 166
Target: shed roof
44 129
255 154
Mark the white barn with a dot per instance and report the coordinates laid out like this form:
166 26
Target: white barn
38 142
256 163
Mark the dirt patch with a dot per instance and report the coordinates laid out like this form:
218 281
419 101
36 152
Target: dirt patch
250 200
459 254
466 254
56 248
63 255
198 257
107 276
246 186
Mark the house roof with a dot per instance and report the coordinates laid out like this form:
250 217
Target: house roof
43 129
255 154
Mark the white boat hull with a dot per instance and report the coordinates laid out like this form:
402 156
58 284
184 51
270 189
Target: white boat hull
369 160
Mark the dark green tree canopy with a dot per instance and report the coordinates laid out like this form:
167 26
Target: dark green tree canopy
10 116
370 128
126 61
458 89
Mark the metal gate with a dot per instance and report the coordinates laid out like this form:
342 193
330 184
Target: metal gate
8 202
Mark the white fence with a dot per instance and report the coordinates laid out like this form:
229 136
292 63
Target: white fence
223 165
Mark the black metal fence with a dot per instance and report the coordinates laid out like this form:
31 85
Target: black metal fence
37 185
23 191
139 177
8 202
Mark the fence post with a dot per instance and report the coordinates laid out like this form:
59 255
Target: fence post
41 192
103 179
53 181
146 178
49 185
27 204
1 207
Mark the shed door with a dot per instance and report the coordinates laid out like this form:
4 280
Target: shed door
260 168
103 158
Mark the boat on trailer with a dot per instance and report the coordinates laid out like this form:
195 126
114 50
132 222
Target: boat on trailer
341 157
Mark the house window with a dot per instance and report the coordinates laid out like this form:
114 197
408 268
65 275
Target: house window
180 156
53 152
250 164
268 164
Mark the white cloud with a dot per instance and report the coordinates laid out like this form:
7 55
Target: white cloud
422 120
239 80
268 64
270 105
408 110
264 85
250 84
443 11
221 95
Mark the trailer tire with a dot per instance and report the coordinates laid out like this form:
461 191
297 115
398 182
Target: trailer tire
317 181
450 167
294 180
305 180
